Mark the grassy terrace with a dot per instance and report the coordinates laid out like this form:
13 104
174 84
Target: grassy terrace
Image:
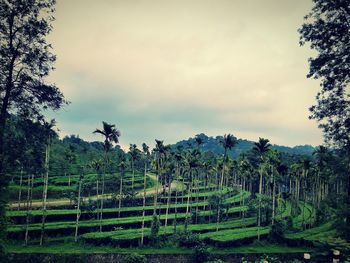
132 234
21 213
112 221
322 232
305 215
234 234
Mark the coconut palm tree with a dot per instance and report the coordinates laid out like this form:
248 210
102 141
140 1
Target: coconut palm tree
228 142
146 155
192 164
134 155
160 154
178 162
261 148
111 135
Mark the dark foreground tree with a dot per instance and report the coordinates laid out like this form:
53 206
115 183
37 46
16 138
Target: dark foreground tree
327 29
25 61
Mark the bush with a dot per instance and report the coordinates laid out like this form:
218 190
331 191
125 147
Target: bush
277 231
289 222
187 239
135 258
200 253
155 225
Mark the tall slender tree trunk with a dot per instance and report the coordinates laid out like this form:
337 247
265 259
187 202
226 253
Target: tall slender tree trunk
46 182
197 193
133 174
98 199
167 205
223 170
157 186
78 212
102 199
144 202
189 195
273 200
103 189
20 189
120 193
260 193
28 209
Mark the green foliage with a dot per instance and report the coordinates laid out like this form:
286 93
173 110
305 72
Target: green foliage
200 253
277 230
188 239
323 213
135 258
155 225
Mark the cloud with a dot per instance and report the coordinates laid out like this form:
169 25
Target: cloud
171 69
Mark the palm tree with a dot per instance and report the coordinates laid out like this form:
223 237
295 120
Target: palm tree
96 165
274 161
306 165
228 142
261 148
160 152
178 158
111 135
134 154
122 167
193 164
70 158
78 205
48 134
322 156
146 154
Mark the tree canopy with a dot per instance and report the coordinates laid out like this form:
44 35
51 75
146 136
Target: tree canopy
327 30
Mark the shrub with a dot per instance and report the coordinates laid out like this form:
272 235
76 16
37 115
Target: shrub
277 231
200 253
155 225
187 239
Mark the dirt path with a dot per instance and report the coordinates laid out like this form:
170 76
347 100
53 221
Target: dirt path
66 201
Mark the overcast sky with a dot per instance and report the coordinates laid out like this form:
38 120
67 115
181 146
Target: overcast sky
172 69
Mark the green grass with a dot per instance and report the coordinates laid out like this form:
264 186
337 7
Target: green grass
235 234
263 247
10 214
69 247
322 232
127 234
308 215
111 221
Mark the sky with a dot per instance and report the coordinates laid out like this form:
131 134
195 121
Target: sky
161 69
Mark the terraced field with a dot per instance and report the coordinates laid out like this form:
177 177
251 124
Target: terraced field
122 227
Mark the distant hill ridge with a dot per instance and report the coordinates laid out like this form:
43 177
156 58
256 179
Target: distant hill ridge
213 144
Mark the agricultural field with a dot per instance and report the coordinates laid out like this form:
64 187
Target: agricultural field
185 217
